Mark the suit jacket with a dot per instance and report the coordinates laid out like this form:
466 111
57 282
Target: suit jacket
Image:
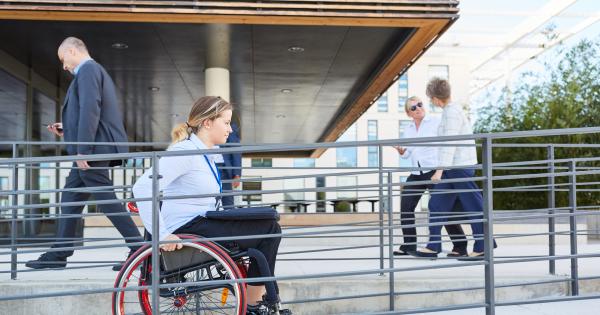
91 112
232 160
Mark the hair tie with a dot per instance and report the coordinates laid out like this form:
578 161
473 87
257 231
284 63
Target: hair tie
188 124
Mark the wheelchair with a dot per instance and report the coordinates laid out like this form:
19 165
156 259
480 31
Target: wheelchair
190 274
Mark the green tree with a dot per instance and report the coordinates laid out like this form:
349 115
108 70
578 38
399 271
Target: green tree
567 95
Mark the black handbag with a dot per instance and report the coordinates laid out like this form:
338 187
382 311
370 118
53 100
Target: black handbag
244 214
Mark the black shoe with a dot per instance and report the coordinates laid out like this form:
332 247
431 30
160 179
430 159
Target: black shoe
403 252
421 254
458 253
118 266
473 257
47 261
263 308
259 309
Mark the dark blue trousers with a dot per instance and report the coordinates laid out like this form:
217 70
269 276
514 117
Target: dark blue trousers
226 201
408 202
91 178
440 205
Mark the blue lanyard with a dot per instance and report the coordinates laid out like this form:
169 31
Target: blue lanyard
215 173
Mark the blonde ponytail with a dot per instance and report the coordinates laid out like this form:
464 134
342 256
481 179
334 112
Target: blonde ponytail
179 133
207 107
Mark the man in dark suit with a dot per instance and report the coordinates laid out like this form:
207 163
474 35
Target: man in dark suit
90 113
231 167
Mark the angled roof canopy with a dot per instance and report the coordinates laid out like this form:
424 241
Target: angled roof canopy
351 52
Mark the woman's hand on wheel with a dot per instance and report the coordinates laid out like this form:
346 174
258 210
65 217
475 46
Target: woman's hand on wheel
171 246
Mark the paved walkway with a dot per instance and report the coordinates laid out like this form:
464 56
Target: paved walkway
366 259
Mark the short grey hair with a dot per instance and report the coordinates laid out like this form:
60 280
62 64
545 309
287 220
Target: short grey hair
73 42
438 88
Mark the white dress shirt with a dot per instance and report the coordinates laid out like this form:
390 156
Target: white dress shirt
422 156
181 175
455 122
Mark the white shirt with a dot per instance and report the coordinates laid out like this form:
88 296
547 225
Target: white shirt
181 175
217 158
423 156
454 122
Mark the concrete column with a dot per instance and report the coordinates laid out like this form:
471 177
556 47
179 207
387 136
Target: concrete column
218 37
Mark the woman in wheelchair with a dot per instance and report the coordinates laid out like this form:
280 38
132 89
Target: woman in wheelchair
208 124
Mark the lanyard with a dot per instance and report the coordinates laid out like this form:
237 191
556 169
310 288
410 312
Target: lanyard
217 177
216 174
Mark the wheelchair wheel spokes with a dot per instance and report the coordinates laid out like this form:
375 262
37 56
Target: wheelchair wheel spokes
192 292
206 298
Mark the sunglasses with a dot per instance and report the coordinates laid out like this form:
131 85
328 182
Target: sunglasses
414 107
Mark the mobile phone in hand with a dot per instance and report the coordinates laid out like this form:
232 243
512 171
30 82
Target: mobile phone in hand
47 125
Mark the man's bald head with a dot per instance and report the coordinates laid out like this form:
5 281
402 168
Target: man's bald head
72 52
75 43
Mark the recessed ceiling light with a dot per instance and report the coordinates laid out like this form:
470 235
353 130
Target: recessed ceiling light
280 116
119 46
295 49
154 88
286 91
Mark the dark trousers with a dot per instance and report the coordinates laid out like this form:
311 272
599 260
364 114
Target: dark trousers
226 201
408 202
471 201
221 228
92 178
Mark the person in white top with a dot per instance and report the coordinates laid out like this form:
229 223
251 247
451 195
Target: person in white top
423 125
453 162
208 124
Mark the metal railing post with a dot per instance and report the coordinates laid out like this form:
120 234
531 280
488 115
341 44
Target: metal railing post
155 235
380 172
551 207
488 227
124 179
391 239
13 221
573 227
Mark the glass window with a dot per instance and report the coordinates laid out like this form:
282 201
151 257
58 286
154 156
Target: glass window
304 162
402 124
256 186
373 158
382 103
13 97
262 162
346 181
402 92
346 157
321 206
3 186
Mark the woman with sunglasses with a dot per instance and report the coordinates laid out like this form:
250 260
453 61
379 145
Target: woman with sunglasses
423 160
454 162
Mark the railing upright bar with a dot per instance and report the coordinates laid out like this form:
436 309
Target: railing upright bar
124 178
488 227
155 235
380 166
573 228
13 221
391 239
551 207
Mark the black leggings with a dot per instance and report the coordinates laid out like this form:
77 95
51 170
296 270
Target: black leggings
220 228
